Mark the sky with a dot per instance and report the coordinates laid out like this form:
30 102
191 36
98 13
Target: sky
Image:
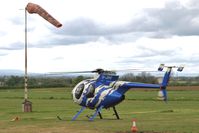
108 34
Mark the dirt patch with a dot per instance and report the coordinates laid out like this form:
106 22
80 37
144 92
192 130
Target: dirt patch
144 132
183 88
36 129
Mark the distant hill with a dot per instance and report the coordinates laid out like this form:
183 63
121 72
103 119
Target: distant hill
8 72
15 72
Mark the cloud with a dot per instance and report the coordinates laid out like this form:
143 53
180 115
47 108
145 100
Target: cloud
2 33
172 51
185 60
58 58
151 52
3 54
17 20
84 30
174 19
83 27
13 46
145 55
194 4
88 27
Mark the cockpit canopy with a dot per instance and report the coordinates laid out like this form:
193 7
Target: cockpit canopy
90 90
79 90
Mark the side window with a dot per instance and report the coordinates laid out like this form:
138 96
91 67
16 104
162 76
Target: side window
79 90
91 91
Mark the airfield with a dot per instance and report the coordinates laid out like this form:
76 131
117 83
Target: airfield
179 115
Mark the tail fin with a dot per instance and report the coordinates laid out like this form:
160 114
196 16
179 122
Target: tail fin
163 93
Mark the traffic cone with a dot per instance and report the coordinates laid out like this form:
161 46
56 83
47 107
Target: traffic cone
134 129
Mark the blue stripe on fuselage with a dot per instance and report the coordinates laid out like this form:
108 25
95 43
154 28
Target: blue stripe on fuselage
83 103
96 98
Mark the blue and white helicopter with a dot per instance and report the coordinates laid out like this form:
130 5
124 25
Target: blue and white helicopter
106 91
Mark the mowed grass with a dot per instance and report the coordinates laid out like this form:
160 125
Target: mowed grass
179 115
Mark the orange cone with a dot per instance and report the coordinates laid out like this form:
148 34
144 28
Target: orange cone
134 129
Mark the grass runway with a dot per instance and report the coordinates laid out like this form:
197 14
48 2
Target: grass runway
179 115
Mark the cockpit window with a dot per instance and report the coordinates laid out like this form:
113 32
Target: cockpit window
79 90
91 91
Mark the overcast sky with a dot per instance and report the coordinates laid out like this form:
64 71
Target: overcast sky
109 34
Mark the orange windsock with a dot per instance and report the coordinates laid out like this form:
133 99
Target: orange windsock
34 8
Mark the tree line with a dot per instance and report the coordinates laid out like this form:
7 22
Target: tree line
62 81
39 81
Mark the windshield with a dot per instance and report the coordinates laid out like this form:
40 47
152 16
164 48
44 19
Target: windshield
79 90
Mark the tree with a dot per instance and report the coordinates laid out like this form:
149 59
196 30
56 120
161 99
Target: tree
141 77
77 80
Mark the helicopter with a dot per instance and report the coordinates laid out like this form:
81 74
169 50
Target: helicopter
106 91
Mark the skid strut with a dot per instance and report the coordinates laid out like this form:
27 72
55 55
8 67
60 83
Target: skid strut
96 112
79 112
116 114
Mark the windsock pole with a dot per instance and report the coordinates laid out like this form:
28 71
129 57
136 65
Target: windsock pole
26 72
26 105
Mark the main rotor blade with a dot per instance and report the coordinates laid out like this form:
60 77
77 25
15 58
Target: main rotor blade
59 73
121 70
99 70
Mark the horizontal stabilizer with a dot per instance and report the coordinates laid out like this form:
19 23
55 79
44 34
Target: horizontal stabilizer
180 69
161 67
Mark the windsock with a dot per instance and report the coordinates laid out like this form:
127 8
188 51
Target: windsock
34 8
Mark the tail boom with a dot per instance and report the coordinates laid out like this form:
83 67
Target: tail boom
122 86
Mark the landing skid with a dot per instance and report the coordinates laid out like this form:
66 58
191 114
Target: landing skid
59 118
98 111
116 114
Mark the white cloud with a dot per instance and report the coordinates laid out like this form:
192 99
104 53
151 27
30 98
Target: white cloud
145 53
99 33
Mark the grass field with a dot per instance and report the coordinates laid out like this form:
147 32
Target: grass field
179 115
